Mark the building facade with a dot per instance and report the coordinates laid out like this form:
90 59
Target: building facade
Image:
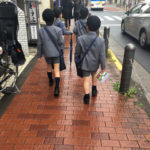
43 4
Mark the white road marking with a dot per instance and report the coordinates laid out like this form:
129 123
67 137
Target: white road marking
109 18
113 25
118 18
101 18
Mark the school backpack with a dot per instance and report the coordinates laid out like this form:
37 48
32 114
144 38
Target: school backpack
77 7
8 32
8 22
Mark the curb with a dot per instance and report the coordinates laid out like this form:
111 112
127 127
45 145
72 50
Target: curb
21 68
7 99
114 58
116 61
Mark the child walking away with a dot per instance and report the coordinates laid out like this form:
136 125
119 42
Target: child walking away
80 25
59 23
91 50
47 47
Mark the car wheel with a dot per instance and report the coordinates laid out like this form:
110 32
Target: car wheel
123 28
143 39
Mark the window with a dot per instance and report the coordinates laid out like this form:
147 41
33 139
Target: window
136 9
145 9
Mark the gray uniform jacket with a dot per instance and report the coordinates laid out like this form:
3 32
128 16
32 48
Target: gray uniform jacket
96 55
45 46
61 25
80 27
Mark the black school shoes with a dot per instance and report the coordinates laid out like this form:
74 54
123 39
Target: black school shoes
94 91
86 98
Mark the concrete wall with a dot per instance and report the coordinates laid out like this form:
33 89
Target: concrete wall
43 5
22 33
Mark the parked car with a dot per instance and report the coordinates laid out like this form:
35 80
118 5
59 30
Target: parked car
97 4
137 23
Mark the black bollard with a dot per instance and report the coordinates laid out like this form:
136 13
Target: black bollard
127 67
106 37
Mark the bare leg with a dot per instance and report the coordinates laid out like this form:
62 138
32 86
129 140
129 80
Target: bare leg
66 23
86 90
49 68
69 21
94 83
87 85
56 70
57 79
94 80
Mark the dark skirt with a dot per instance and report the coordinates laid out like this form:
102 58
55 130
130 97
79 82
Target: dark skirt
67 9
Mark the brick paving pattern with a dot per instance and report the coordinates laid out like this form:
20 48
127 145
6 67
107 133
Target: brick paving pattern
36 120
112 9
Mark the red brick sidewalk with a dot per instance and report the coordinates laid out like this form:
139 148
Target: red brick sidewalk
112 7
36 120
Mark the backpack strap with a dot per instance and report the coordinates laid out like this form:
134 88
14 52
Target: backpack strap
82 24
52 39
88 49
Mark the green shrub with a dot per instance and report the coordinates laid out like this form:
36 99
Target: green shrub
129 93
108 55
117 86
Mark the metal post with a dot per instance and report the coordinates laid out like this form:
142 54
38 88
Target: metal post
127 67
106 37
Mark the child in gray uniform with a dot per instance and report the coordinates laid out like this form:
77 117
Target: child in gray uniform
47 48
80 25
59 23
94 58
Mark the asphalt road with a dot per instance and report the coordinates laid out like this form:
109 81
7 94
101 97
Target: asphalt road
113 19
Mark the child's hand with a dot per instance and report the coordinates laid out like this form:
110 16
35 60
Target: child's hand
102 71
